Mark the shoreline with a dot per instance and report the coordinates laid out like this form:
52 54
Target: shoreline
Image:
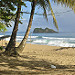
59 55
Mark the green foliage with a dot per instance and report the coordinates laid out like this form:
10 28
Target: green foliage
44 5
46 30
2 27
8 12
68 3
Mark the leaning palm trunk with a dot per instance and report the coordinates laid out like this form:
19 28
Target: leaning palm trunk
54 19
23 42
12 42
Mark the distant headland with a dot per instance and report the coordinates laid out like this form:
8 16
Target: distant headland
46 30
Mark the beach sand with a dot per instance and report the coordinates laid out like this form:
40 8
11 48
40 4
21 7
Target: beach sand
37 60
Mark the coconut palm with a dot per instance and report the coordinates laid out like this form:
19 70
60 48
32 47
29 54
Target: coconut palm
12 42
43 4
10 49
22 44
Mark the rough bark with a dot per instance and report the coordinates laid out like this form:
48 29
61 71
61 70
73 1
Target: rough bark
12 42
23 42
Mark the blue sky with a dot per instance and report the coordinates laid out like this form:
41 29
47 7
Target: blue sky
66 21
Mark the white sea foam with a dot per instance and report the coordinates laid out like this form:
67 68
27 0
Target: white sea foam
18 39
52 41
58 38
33 36
61 43
39 41
48 37
28 37
20 36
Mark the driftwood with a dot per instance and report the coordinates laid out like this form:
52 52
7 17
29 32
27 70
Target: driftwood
5 36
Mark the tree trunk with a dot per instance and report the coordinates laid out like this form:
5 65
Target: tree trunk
23 42
12 42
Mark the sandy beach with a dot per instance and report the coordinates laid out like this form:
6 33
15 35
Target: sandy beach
37 60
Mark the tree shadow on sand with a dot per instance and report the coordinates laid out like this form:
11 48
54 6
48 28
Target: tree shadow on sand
30 65
62 48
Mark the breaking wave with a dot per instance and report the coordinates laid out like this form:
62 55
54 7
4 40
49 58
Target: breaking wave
52 41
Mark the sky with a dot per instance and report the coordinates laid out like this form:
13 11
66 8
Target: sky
65 20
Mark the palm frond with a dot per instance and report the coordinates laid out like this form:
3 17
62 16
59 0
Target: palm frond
2 27
54 19
43 4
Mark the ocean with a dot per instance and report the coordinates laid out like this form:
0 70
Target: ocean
61 39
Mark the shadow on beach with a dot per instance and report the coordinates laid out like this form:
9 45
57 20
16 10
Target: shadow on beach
62 48
31 65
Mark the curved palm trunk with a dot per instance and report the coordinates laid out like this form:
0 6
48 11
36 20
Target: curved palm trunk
54 19
22 44
12 41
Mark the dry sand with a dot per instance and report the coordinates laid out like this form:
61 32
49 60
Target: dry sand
37 60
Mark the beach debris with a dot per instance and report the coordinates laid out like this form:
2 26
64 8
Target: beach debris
53 66
5 36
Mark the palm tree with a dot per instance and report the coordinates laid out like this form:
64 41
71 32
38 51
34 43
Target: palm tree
22 44
44 4
12 41
10 49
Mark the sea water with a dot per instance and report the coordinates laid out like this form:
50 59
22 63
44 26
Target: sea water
52 39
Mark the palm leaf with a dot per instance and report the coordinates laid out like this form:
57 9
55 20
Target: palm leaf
54 19
2 27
